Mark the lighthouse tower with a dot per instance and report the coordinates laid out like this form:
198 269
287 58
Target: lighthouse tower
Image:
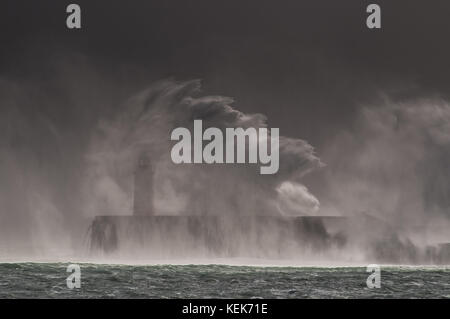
143 187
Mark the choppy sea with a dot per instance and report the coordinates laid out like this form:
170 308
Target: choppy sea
48 280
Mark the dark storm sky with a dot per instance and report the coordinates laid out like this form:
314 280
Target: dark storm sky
305 64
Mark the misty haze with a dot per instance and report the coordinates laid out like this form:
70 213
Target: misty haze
90 118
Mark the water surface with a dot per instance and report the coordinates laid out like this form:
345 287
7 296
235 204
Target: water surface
48 280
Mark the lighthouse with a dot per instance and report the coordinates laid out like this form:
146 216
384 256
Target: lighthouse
143 187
